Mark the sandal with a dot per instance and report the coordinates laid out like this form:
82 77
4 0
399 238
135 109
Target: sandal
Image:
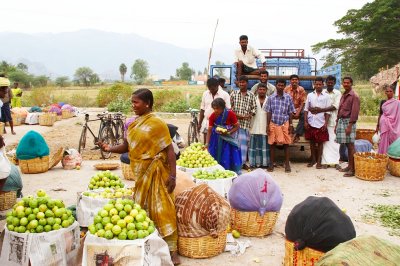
311 164
349 174
319 166
344 170
270 168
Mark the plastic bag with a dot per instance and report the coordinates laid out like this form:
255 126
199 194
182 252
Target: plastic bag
71 159
394 149
319 224
255 191
376 137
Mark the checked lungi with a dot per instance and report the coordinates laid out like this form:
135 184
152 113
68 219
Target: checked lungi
258 150
341 136
244 138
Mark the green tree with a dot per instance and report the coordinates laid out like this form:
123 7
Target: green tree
220 71
93 79
6 68
62 81
83 76
24 79
22 67
140 71
184 72
40 81
371 39
122 71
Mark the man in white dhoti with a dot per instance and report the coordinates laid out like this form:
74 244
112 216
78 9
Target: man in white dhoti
330 154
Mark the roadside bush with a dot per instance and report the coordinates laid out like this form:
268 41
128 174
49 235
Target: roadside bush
81 100
120 105
179 106
163 97
40 96
195 101
107 95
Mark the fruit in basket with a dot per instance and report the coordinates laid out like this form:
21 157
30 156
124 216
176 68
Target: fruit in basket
195 156
123 224
105 179
35 215
216 174
110 193
235 234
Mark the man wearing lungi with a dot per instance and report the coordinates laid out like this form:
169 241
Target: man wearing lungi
349 108
279 110
244 104
316 124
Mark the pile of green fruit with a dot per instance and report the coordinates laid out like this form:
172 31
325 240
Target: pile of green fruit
196 156
38 215
109 193
216 174
122 219
105 179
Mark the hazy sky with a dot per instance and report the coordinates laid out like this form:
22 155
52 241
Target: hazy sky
269 24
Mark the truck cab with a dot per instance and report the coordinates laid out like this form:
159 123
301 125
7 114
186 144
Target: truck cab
281 63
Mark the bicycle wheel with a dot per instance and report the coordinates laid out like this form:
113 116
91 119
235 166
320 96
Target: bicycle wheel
82 140
107 136
119 131
192 133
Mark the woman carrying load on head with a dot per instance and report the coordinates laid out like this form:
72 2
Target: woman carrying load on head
152 160
389 121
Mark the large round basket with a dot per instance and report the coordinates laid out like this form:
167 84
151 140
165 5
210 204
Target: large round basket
2 126
127 172
366 134
66 114
7 199
394 167
56 158
58 117
370 166
17 119
202 247
46 119
252 224
304 257
34 166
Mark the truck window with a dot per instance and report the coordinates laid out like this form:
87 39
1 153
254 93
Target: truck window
223 72
287 71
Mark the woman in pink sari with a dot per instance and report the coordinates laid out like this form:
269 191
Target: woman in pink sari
389 121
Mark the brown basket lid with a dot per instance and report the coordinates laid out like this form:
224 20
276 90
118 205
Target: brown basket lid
106 166
56 158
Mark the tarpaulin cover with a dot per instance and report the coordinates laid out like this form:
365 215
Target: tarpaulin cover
32 145
318 223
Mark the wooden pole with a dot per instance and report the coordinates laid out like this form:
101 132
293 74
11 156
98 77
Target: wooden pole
212 45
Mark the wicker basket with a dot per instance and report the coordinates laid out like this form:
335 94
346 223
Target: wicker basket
252 224
17 119
366 134
46 119
34 166
7 199
304 257
127 172
65 114
56 158
370 166
58 117
2 126
106 166
202 247
394 167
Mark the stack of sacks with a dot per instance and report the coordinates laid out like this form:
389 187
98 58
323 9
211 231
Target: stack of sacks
255 191
55 109
22 112
319 224
200 211
32 145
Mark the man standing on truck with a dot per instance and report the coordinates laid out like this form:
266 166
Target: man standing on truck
244 105
279 110
345 128
264 79
316 123
214 91
298 95
245 58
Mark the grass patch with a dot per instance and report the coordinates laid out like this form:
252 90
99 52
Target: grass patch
387 215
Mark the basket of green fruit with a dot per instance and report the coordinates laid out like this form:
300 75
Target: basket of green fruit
105 179
219 180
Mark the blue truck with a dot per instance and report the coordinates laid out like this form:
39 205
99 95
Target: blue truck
281 63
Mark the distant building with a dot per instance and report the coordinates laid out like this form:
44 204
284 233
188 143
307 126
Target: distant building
202 78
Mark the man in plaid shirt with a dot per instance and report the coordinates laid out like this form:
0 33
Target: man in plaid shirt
244 104
280 109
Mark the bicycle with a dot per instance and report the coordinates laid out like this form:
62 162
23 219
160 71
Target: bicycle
103 135
193 134
119 129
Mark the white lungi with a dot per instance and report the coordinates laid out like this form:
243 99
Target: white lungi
330 154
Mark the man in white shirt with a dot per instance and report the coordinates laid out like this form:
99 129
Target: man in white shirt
316 124
330 154
264 79
214 91
245 58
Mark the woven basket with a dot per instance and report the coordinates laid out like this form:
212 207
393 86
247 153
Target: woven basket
366 134
2 126
394 167
304 257
127 172
65 114
17 119
252 224
58 117
34 166
56 158
7 199
106 166
46 119
370 166
202 247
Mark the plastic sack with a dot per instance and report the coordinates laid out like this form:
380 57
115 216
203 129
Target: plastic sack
255 191
319 224
68 107
394 149
360 145
32 145
71 159
376 137
5 165
55 109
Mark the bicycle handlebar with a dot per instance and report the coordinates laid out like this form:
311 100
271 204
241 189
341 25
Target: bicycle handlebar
192 110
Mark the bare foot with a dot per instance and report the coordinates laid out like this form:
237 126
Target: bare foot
13 132
175 258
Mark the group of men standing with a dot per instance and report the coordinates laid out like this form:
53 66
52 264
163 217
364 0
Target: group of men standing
266 112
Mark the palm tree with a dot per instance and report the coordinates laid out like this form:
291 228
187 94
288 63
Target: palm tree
122 70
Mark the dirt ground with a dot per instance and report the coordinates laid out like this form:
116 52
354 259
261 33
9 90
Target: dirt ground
352 194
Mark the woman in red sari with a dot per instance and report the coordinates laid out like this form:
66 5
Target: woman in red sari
389 121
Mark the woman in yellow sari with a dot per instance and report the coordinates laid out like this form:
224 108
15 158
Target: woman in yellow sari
152 160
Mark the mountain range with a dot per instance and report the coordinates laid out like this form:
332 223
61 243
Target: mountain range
60 54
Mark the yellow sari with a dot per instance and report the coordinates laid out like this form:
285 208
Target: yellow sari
148 137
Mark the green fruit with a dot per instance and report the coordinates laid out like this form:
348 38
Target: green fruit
42 221
122 236
134 212
121 223
99 226
21 229
130 226
40 215
64 217
113 211
51 221
108 207
41 193
105 221
129 219
108 226
151 229
132 234
47 228
139 226
140 218
56 227
15 221
58 213
31 217
97 219
122 214
59 203
119 206
43 208
145 225
103 213
20 208
20 214
10 227
116 230
65 223
49 213
235 234
33 224
35 211
108 234
58 221
28 211
9 219
50 204
115 219
141 234
101 233
127 208
39 229
33 203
